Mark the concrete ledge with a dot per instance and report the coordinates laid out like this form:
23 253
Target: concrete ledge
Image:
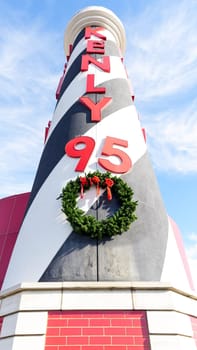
99 295
23 343
176 342
24 323
169 322
162 286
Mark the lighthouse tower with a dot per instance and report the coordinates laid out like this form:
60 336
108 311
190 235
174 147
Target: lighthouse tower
97 263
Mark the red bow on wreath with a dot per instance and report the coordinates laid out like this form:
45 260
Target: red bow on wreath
84 181
95 180
109 183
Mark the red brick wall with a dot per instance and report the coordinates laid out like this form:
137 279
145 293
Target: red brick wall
97 330
194 327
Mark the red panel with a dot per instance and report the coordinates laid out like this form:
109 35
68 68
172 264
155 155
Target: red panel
2 242
181 248
6 207
8 247
1 322
12 210
57 95
47 131
194 327
144 133
18 213
97 330
6 254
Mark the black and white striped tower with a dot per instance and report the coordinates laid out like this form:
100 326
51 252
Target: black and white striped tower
95 110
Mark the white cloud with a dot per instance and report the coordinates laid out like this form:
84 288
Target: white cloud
162 62
28 80
162 49
172 139
192 246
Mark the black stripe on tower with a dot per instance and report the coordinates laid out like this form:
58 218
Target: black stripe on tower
77 121
75 68
79 37
73 71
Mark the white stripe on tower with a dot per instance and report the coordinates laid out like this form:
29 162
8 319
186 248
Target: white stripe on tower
77 87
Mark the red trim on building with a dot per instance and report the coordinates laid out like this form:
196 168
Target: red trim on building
181 248
97 330
1 322
194 327
12 210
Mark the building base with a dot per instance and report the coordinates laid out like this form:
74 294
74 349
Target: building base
98 316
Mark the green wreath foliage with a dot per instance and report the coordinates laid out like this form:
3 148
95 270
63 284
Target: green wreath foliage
87 225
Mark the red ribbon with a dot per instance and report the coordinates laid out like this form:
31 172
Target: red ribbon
84 182
96 180
109 183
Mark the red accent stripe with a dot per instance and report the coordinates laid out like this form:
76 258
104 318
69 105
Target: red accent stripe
12 210
181 248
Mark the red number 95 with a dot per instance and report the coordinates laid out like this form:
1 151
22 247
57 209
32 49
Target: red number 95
109 149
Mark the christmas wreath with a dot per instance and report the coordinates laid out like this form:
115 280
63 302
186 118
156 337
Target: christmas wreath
88 225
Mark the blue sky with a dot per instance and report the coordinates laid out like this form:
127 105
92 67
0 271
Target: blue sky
161 59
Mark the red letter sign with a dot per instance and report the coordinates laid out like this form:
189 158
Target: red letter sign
84 154
94 31
109 150
95 47
90 88
95 108
104 65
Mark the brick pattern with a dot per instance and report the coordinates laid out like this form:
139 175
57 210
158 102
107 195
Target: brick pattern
97 330
194 327
12 211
